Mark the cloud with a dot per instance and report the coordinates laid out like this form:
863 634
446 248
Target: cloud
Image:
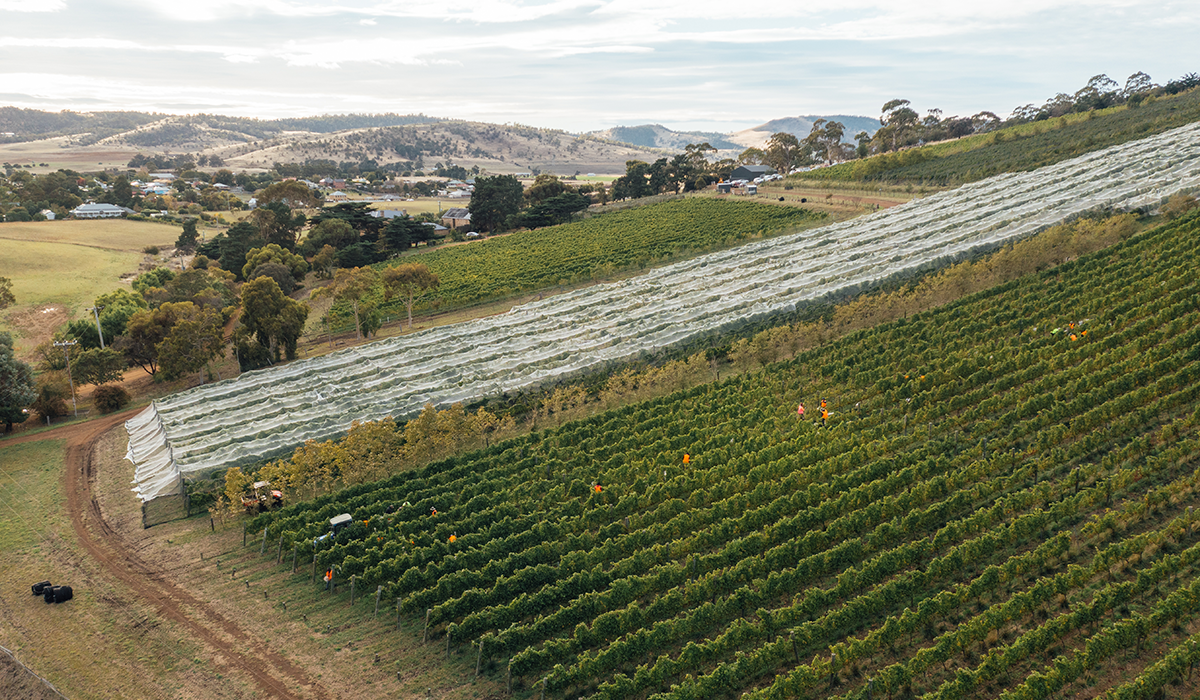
32 5
367 22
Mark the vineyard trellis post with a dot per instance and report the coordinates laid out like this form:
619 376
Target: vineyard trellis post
397 613
279 551
262 548
425 632
244 526
478 657
314 569
510 678
378 592
295 548
352 582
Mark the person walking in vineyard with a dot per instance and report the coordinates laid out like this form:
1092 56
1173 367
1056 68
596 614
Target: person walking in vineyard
800 411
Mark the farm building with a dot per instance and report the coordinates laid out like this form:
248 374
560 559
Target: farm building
457 217
100 211
749 172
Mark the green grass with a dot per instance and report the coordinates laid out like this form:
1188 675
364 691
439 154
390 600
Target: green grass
1019 148
62 274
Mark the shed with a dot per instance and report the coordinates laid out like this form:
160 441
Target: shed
456 217
749 172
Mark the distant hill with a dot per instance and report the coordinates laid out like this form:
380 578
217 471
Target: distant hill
34 124
802 126
659 136
403 141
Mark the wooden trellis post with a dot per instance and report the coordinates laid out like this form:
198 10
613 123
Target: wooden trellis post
378 592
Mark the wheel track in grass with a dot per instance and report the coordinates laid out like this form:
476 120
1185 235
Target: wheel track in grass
275 675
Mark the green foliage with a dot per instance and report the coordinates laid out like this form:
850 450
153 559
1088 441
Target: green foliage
97 366
188 236
109 398
494 200
1005 478
275 321
17 388
6 296
1019 148
158 277
273 253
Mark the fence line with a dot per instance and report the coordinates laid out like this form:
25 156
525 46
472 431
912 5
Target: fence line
33 673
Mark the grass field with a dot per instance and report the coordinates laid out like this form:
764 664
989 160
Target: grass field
58 641
64 265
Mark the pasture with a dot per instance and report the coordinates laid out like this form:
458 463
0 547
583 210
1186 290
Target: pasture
58 267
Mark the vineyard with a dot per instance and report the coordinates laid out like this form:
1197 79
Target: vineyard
264 413
1018 148
997 505
630 239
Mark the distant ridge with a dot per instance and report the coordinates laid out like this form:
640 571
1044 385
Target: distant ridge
801 126
659 136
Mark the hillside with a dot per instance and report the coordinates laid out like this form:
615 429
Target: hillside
659 136
802 126
1023 147
407 141
996 502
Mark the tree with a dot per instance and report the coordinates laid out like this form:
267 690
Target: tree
635 183
6 296
188 237
784 152
275 321
146 329
273 253
351 286
751 156
335 233
98 366
278 224
403 232
17 388
494 200
409 281
545 186
291 193
233 246
324 260
192 343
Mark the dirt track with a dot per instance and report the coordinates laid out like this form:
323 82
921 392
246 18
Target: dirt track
275 675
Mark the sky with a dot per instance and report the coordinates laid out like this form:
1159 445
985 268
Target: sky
579 65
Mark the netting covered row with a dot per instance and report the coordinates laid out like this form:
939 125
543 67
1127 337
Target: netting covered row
268 412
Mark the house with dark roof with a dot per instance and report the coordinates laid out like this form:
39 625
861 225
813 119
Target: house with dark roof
459 217
749 172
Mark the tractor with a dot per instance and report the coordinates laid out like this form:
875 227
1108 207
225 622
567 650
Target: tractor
262 498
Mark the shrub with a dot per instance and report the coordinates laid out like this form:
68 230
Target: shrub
110 397
150 250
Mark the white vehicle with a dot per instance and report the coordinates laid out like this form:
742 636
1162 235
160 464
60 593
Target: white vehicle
335 525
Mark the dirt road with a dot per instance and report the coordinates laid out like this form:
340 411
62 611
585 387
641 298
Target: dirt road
275 675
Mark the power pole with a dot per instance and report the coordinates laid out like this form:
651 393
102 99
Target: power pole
66 346
96 312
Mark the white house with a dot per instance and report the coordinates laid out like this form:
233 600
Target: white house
100 211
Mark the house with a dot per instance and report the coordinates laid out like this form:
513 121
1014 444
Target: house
48 214
100 211
389 214
337 197
456 218
749 172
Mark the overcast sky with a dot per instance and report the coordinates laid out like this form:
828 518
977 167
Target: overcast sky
712 65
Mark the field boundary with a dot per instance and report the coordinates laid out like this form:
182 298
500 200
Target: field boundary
32 672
